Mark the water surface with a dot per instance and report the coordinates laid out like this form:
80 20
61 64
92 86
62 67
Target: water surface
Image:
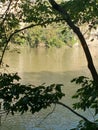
55 65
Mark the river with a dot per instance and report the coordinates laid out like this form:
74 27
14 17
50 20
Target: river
52 65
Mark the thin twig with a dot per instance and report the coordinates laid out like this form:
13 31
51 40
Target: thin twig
5 13
92 114
47 115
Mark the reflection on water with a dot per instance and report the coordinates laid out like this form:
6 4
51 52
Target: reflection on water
41 59
48 66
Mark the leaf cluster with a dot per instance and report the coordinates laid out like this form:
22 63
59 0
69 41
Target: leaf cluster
16 97
82 11
38 12
87 94
19 14
83 125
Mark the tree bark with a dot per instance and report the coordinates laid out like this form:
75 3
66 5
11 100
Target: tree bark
80 36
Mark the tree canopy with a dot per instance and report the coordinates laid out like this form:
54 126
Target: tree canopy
19 15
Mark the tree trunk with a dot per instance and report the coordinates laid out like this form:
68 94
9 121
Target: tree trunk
80 36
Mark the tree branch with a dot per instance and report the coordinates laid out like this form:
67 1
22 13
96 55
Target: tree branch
5 13
79 115
48 114
77 31
22 29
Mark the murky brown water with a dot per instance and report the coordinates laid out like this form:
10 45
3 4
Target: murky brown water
55 65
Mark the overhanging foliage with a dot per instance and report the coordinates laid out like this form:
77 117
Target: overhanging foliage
16 97
87 94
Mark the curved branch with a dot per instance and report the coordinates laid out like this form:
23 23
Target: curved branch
77 31
22 29
8 40
79 115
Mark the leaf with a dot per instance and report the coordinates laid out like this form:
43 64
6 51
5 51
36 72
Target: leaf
58 87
